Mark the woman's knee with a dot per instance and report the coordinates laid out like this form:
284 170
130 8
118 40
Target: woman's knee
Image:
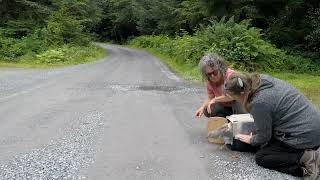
266 160
217 110
261 159
241 146
214 111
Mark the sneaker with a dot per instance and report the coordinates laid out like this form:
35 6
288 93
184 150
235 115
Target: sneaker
223 131
310 161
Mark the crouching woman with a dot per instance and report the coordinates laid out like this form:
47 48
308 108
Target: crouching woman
288 125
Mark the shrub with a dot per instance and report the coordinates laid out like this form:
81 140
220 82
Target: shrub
52 56
68 54
239 43
63 28
11 49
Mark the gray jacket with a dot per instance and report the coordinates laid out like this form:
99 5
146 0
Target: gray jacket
281 111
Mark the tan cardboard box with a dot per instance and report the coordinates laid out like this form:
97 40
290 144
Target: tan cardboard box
214 123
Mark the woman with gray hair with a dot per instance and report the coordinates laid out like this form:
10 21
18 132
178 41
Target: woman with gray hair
215 72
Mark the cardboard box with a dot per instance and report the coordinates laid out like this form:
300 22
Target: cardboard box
214 123
242 124
239 124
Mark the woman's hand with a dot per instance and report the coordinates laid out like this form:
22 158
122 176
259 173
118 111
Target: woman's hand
244 138
212 101
199 112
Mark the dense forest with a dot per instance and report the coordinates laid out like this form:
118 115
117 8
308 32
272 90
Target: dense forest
36 29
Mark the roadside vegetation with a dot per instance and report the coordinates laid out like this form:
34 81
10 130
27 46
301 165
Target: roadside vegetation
48 33
57 57
243 48
275 37
307 83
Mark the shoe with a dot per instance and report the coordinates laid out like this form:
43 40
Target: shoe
310 161
223 131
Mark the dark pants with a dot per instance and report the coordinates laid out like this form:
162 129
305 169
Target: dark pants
238 145
219 110
280 157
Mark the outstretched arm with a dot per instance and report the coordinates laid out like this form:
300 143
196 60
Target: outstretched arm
204 105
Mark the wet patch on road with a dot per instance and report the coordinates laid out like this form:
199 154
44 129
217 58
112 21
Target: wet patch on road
140 87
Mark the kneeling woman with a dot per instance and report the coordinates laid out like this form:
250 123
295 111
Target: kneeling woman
288 125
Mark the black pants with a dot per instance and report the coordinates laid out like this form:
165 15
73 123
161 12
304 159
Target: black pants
280 157
219 110
238 145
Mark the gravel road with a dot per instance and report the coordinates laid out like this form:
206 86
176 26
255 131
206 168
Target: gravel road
125 117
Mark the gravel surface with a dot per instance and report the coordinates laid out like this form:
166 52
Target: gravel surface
61 158
124 117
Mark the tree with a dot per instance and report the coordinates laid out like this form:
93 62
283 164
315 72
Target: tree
191 14
21 17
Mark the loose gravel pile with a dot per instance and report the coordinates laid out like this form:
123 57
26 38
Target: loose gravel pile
62 158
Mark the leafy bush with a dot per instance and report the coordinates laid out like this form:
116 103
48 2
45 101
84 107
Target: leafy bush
239 43
68 55
11 48
314 37
52 56
64 28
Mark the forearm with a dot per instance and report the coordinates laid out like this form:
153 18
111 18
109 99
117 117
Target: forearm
260 139
206 102
222 99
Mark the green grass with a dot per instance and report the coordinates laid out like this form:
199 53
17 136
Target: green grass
306 83
309 85
70 56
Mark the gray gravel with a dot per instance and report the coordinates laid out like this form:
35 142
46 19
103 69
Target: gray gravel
124 117
61 158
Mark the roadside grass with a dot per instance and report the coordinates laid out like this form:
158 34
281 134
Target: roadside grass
308 84
70 56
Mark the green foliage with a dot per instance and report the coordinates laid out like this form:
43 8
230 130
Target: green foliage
314 37
31 27
241 45
22 17
164 14
191 14
237 42
53 56
123 18
65 54
9 50
64 28
88 13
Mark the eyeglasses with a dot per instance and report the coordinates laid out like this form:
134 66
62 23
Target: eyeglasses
214 73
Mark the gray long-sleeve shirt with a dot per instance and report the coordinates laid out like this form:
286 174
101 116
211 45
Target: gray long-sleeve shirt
281 111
